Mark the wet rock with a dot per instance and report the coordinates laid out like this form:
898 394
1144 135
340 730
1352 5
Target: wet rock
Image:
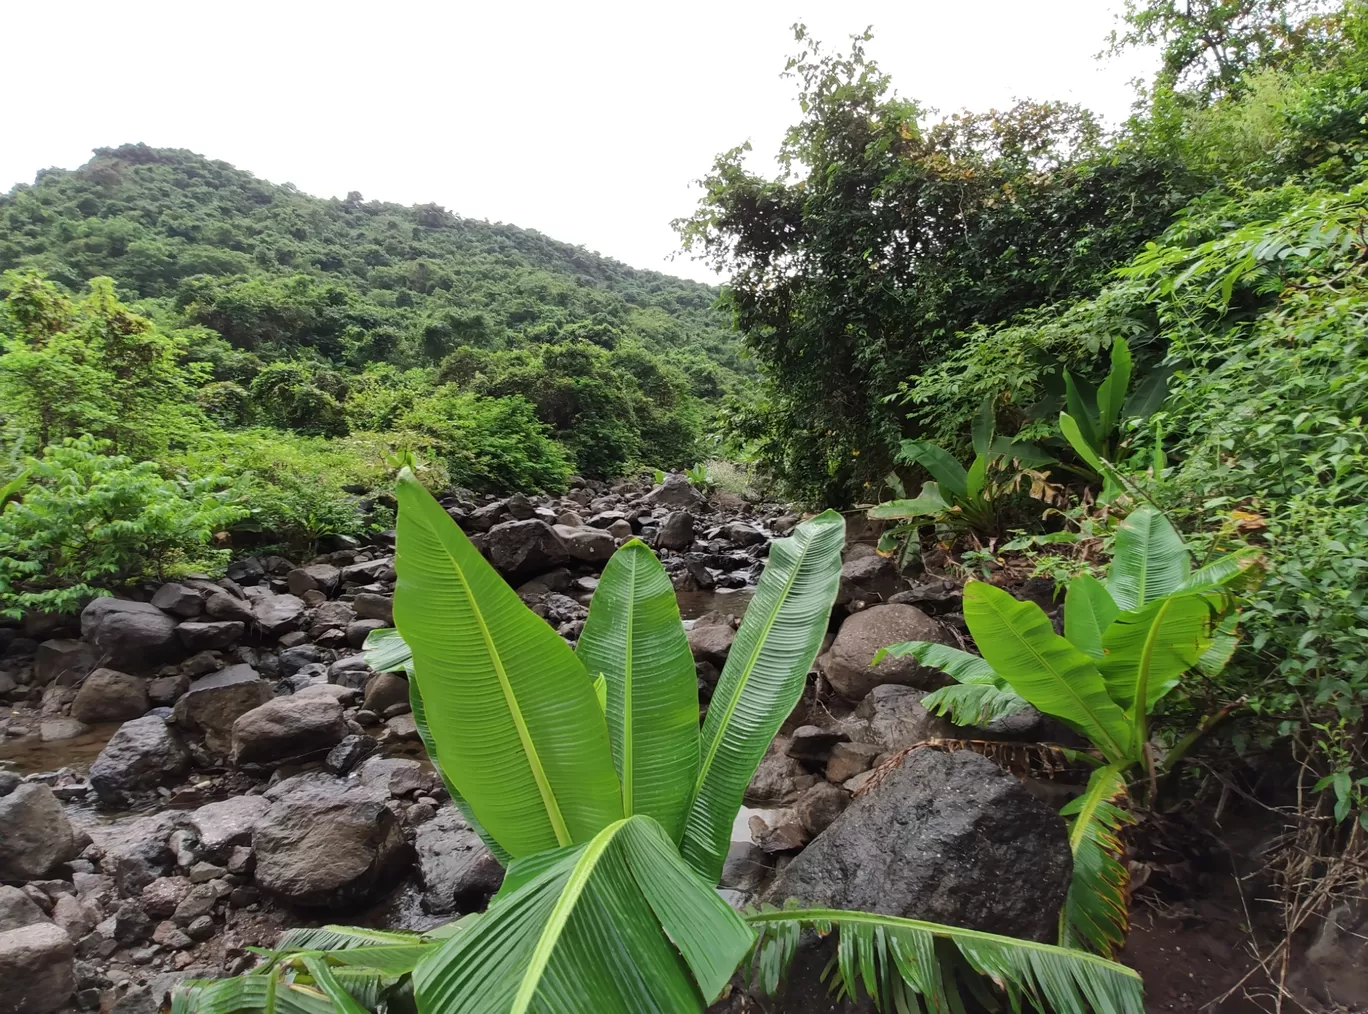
37 836
519 549
329 846
288 729
139 854
401 729
868 577
18 909
350 752
373 606
676 531
142 754
588 545
179 600
776 777
107 695
160 897
199 901
351 672
9 781
248 570
63 661
846 665
359 630
369 572
892 717
321 577
331 616
711 637
849 759
210 635
384 690
741 534
226 825
785 834
164 691
675 491
278 614
458 873
37 968
220 605
131 924
52 730
213 703
812 743
134 635
78 916
294 659
397 776
169 936
945 838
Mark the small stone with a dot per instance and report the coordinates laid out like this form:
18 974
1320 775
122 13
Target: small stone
813 743
201 873
849 759
168 935
244 896
201 928
240 860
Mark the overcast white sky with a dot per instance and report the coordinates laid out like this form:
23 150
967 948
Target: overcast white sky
588 121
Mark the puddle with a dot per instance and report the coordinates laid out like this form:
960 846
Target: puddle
693 604
31 754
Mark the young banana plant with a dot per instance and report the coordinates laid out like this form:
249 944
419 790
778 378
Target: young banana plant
587 773
1126 644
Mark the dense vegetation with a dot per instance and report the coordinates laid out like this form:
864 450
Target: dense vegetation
918 292
275 348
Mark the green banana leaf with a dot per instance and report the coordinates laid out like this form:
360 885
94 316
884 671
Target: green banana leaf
634 638
1224 640
762 680
1088 612
1082 408
1095 913
1147 651
899 963
10 489
1149 560
1077 437
1018 640
510 709
959 665
976 478
1111 394
948 472
931 502
980 696
386 651
1221 572
619 925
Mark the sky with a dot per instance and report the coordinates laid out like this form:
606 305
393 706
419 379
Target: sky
588 121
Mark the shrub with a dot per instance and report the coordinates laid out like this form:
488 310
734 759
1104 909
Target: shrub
89 523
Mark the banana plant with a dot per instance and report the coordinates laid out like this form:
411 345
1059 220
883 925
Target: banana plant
960 499
1126 644
612 811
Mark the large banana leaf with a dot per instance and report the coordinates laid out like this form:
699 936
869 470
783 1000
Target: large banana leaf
1147 651
948 472
1221 572
897 961
1088 612
1094 914
386 651
959 665
762 680
1111 394
511 711
1149 560
1019 642
1077 437
931 502
1081 402
980 696
619 925
633 636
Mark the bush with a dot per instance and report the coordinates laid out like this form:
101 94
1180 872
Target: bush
90 523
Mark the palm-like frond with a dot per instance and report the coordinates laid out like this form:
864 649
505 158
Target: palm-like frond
1094 914
973 703
904 963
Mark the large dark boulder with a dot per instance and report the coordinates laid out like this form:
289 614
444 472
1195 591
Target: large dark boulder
520 549
676 531
945 837
892 716
847 664
293 728
210 635
107 695
132 635
214 702
675 491
35 835
457 871
142 754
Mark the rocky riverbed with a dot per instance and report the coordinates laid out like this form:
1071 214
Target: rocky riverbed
185 774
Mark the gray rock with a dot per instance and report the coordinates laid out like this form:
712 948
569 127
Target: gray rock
220 605
369 572
589 545
326 845
384 690
294 659
812 743
741 534
675 491
214 702
350 752
314 577
848 759
161 896
107 695
288 729
351 672
164 691
37 967
397 776
52 730
946 837
17 909
520 549
711 637
676 531
846 665
132 635
63 661
620 529
37 835
179 600
225 825
210 635
142 754
373 606
776 777
331 616
78 916
359 630
868 577
136 852
401 729
278 614
892 717
458 873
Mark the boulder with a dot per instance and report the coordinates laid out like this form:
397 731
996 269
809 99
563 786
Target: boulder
63 661
369 572
329 845
372 606
457 871
37 835
211 635
945 837
846 665
296 658
136 852
164 691
222 826
868 577
37 968
179 600
675 491
288 729
78 916
676 531
849 759
588 545
711 637
278 614
818 807
620 530
132 635
741 534
331 616
813 743
384 690
777 776
891 717
350 752
17 909
52 730
142 754
107 695
322 577
397 776
220 605
214 702
520 549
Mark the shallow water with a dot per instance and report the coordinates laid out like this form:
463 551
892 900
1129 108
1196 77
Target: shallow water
693 604
31 754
